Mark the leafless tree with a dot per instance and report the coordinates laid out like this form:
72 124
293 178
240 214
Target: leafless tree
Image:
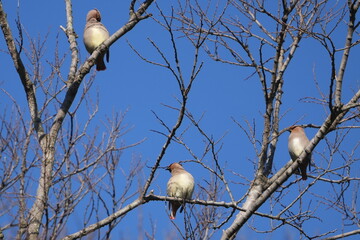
68 166
265 37
68 173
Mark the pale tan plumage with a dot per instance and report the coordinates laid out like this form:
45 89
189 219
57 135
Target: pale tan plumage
296 144
181 185
95 34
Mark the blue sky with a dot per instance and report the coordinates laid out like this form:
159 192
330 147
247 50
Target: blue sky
221 92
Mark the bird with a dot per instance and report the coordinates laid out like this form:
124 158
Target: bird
180 185
95 34
296 144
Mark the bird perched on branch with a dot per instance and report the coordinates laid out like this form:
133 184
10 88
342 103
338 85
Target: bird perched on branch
180 185
95 34
297 144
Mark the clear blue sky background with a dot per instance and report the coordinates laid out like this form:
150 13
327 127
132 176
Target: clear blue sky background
220 92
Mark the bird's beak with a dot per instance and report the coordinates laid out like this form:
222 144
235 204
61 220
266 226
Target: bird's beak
168 168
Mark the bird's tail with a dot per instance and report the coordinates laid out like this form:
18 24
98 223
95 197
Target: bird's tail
100 64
